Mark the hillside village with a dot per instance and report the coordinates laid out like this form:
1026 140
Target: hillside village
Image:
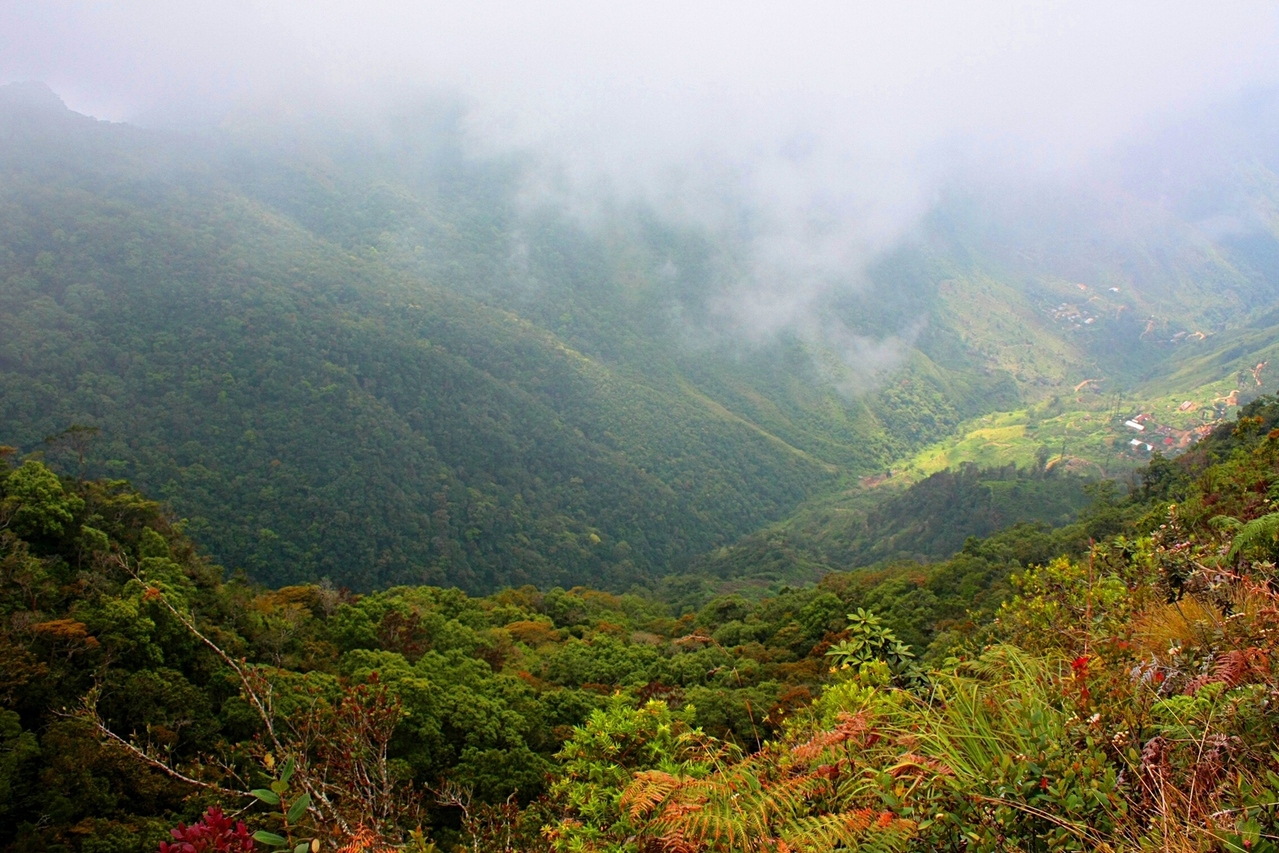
1169 440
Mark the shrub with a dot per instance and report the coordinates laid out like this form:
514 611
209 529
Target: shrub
213 832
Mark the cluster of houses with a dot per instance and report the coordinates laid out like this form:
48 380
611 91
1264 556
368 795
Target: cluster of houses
1067 313
1156 436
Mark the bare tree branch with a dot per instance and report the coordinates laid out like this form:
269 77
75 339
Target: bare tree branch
89 712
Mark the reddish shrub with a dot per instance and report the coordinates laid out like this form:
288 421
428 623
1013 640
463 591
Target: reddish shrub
213 832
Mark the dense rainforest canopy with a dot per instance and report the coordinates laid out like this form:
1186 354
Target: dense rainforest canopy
1030 690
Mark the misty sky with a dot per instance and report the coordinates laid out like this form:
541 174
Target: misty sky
833 122
1064 75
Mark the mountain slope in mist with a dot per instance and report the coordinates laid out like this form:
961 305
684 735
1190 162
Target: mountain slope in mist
315 413
368 358
313 410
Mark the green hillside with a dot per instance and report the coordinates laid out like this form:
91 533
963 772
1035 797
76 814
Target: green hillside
316 413
363 357
315 409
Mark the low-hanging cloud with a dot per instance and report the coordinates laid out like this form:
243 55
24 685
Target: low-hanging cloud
814 135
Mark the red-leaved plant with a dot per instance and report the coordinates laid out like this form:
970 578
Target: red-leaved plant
213 832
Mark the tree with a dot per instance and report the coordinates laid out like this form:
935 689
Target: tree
332 751
33 502
77 438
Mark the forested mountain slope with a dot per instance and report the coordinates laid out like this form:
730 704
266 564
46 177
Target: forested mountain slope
362 356
930 520
317 413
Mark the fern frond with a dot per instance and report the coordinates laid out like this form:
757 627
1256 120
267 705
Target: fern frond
1260 534
646 790
1233 668
789 796
850 829
849 727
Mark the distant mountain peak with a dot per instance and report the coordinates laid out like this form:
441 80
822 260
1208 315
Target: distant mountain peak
30 95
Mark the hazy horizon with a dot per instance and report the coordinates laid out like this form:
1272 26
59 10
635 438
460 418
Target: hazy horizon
828 130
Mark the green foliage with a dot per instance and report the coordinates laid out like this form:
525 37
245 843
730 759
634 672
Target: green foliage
1257 538
34 503
290 809
929 521
490 688
869 641
1070 697
599 760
